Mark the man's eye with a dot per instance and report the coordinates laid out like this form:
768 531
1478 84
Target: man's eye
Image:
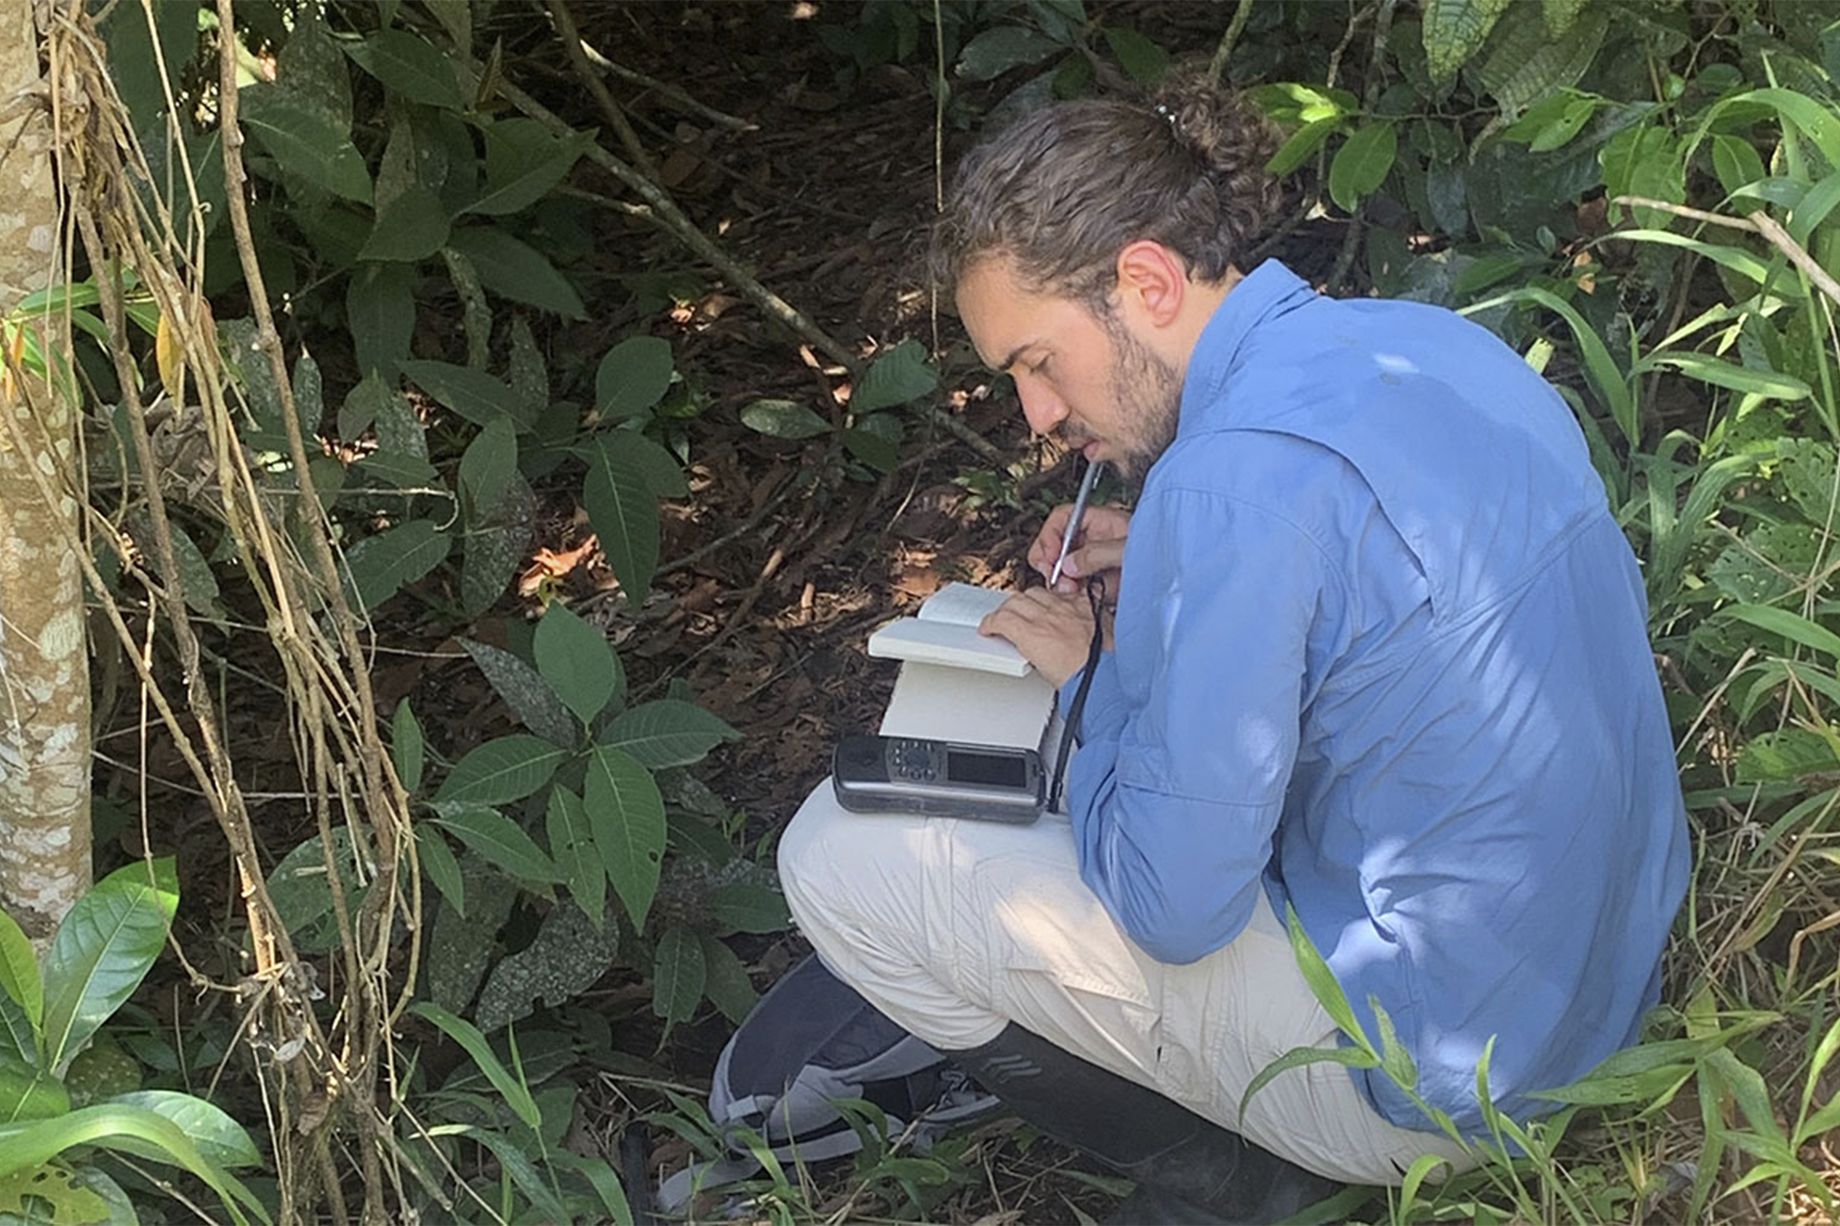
1039 368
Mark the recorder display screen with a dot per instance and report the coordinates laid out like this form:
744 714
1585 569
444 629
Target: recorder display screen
989 770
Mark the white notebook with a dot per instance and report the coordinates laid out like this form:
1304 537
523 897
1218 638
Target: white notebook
945 632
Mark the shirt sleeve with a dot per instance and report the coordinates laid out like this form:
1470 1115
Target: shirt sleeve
1191 726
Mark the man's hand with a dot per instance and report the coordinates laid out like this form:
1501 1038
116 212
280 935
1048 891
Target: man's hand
1100 552
1053 632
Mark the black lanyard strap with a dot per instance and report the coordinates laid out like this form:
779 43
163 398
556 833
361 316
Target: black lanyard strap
1070 730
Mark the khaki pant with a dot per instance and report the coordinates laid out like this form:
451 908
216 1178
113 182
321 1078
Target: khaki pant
957 928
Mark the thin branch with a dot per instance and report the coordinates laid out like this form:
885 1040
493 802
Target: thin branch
1370 94
1224 52
1758 222
573 44
670 93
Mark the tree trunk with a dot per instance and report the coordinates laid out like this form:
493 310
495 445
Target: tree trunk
44 664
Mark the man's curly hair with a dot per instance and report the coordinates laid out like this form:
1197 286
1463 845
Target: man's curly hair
1060 191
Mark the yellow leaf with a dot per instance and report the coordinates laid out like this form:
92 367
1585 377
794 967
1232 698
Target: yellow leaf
169 353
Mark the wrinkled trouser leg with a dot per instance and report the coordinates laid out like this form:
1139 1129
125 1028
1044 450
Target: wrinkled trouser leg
957 928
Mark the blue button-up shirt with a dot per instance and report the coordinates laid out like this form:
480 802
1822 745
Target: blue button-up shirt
1382 652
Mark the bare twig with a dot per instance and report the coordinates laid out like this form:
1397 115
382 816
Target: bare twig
1217 68
1758 222
573 45
664 89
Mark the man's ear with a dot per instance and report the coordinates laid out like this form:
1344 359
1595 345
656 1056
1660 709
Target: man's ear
1152 282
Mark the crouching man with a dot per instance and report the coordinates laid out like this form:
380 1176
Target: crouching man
1379 655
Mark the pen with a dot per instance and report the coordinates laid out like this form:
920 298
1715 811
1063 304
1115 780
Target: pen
1073 521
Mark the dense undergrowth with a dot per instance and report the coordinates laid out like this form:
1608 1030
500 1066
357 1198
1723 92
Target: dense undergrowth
451 944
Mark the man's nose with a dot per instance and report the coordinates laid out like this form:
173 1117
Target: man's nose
1043 410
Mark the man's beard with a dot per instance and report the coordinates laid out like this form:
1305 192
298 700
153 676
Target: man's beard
1146 392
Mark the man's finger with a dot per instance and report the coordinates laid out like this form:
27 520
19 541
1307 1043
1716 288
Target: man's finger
1094 558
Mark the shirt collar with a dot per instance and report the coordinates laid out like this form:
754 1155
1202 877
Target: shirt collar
1266 292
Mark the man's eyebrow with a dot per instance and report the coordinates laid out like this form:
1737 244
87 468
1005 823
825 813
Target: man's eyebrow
1003 366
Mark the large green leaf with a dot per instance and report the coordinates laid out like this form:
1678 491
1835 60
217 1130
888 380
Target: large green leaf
301 891
509 768
29 1093
575 659
102 951
523 161
783 419
219 1138
678 974
488 464
667 732
726 981
515 1093
380 309
473 394
568 956
524 690
624 514
1142 59
513 269
378 566
19 977
1454 29
411 68
1362 163
442 866
496 539
1791 626
626 814
407 748
128 1128
746 907
412 226
896 377
1706 369
307 144
1526 61
571 845
498 841
997 50
633 376
1302 143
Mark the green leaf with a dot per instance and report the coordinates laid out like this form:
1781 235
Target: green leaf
1416 1174
1362 164
1323 985
570 953
472 394
1302 143
307 144
896 377
633 376
1525 61
497 840
511 1089
488 463
1454 29
1298 1057
411 68
411 227
626 814
1143 60
530 697
1642 161
872 449
624 514
1736 162
19 970
783 419
515 270
509 768
1766 383
601 1178
380 310
220 1139
102 950
378 566
678 975
1560 14
523 161
1395 1061
745 907
996 51
1791 626
1561 130
442 866
301 891
28 1093
407 748
133 1130
1812 209
572 847
576 660
726 981
667 732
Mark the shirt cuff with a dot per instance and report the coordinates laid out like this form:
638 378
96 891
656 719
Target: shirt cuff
1106 708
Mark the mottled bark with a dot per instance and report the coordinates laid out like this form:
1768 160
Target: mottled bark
44 664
